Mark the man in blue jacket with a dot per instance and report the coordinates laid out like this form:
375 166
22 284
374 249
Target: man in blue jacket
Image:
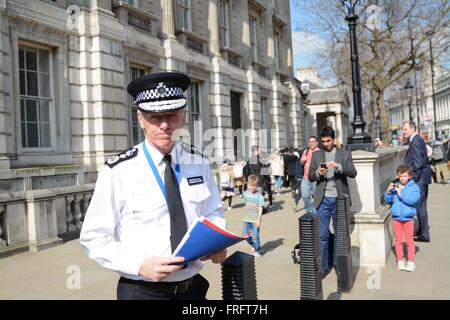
417 158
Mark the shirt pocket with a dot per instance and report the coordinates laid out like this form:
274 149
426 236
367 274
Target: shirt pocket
196 195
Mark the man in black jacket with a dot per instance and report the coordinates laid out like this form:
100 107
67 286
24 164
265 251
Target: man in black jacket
253 165
417 158
330 167
259 166
289 163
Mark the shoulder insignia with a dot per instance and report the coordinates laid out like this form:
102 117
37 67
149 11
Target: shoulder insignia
125 155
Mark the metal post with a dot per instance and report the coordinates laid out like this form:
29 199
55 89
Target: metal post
408 90
409 108
432 89
417 102
239 277
344 269
360 139
414 64
310 262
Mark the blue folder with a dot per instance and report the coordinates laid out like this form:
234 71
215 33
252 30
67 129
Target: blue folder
204 238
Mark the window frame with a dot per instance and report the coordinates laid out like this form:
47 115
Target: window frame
224 25
276 52
23 44
184 5
134 108
253 39
195 86
135 3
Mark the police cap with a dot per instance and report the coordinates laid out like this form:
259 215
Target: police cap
159 92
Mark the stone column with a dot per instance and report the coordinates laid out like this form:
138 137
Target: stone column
296 115
254 106
213 27
277 114
371 236
4 161
168 18
41 215
339 126
97 81
220 113
269 31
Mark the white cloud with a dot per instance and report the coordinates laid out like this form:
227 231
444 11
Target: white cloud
306 46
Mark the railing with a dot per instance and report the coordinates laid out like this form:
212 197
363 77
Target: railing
260 68
194 44
38 219
192 40
3 242
232 56
76 207
139 21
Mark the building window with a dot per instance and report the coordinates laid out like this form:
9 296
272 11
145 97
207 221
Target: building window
136 131
253 45
184 14
134 3
276 43
223 24
265 124
35 97
195 117
263 114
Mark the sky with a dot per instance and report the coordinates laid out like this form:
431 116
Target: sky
304 55
306 45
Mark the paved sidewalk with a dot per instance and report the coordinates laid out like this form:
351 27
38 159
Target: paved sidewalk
49 274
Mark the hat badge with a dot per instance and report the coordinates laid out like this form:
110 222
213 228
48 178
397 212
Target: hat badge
161 89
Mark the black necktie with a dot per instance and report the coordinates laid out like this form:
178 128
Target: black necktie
177 218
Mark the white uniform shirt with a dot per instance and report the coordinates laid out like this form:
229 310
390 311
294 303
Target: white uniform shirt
128 219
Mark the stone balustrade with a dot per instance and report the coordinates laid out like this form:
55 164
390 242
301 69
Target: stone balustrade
371 236
38 219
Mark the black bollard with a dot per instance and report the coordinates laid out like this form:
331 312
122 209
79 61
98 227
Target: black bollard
239 277
310 262
344 269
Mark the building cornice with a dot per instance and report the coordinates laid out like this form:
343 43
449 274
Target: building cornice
256 6
30 15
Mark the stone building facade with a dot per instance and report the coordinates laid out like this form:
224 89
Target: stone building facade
422 111
64 68
325 106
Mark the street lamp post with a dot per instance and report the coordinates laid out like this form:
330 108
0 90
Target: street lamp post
359 140
430 34
408 89
415 66
378 126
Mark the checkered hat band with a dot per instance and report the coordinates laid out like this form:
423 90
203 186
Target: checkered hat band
159 93
161 106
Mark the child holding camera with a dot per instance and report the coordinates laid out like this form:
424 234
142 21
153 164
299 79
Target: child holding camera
404 194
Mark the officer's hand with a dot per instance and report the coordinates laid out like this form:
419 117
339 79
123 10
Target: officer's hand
159 268
216 257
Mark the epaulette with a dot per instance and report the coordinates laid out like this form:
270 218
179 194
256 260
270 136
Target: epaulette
125 155
192 149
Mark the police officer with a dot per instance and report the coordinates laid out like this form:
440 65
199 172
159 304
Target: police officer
146 198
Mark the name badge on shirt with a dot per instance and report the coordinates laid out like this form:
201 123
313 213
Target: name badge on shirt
195 180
